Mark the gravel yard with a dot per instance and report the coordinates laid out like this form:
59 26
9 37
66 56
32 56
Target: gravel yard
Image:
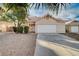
72 35
12 44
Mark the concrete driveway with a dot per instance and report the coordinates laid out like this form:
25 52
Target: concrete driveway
56 45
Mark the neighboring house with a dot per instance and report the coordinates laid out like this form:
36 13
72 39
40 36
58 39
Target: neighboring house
46 24
72 26
6 26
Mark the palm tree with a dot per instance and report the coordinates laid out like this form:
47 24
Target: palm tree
17 8
15 13
14 6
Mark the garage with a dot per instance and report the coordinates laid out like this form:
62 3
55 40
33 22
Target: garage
74 29
46 29
49 24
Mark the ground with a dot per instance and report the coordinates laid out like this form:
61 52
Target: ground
56 45
17 44
72 35
30 44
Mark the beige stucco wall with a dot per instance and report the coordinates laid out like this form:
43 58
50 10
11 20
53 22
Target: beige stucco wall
60 28
4 26
69 28
47 22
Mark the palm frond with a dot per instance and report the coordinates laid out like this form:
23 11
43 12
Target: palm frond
15 5
51 6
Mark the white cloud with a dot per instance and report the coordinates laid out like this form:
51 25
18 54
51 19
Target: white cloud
37 12
70 13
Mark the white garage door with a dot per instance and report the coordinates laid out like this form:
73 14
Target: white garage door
74 29
46 29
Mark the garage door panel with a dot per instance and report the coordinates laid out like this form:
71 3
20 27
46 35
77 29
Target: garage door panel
46 29
74 28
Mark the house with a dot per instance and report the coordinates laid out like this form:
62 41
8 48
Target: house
46 24
6 26
32 20
72 26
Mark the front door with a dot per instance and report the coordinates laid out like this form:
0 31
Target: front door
32 27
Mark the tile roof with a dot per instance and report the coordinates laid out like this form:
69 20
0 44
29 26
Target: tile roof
35 18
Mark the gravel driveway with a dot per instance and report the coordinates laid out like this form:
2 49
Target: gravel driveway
17 44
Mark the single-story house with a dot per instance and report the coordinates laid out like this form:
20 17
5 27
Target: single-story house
46 24
72 26
6 26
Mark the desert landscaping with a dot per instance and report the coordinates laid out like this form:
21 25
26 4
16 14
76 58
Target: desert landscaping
17 44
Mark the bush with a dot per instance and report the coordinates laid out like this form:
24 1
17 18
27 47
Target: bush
15 29
20 29
26 29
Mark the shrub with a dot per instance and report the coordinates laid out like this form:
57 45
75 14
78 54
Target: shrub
20 29
26 29
15 29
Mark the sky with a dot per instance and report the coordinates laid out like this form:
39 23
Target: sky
71 12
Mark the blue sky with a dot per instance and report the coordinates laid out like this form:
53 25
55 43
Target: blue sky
72 12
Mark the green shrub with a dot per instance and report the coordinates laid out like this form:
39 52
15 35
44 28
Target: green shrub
15 29
26 29
20 29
